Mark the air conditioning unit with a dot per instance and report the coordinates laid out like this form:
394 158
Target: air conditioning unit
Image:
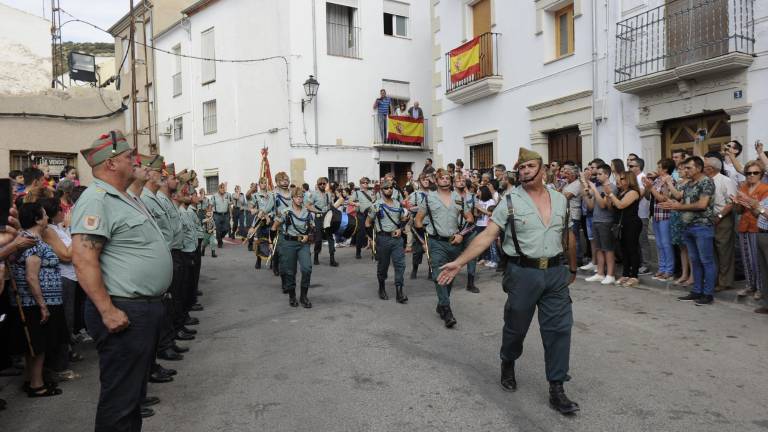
168 130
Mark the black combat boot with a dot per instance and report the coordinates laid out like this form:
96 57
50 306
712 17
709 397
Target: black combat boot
357 253
400 295
285 290
415 271
275 267
213 252
429 273
258 263
317 261
303 298
382 290
508 382
250 245
559 401
292 298
450 321
440 311
202 251
333 261
471 284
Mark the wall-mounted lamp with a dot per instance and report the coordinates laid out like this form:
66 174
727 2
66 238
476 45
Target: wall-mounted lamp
310 88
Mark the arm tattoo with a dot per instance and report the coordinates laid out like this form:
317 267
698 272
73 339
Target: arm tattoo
90 241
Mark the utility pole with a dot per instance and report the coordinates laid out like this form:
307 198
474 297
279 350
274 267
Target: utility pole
132 42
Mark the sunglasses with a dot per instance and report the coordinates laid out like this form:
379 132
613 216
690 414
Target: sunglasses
632 166
386 188
322 184
753 173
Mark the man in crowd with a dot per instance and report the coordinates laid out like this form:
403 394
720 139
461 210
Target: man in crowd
733 167
678 156
33 178
428 168
725 233
221 202
499 172
572 193
383 107
602 222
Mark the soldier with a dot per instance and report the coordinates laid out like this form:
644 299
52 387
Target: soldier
124 266
362 201
460 184
239 203
281 198
387 218
320 202
443 238
209 230
414 201
221 202
263 207
536 225
297 230
182 201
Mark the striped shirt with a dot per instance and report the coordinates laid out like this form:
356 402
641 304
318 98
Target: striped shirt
382 105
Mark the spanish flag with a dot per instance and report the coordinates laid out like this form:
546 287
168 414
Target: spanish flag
405 129
465 60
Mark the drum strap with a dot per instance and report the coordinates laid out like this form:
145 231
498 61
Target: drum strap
292 221
511 225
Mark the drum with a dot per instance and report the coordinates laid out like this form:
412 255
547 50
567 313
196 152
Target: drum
348 226
331 222
264 250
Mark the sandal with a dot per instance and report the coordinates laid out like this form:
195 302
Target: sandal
26 388
43 391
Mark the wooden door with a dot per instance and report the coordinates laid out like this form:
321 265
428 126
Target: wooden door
481 156
481 24
564 145
695 30
681 133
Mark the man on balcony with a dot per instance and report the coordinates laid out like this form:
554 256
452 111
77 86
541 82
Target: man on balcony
383 107
415 111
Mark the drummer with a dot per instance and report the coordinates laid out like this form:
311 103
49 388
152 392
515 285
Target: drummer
263 204
281 199
320 202
414 201
295 236
388 219
362 201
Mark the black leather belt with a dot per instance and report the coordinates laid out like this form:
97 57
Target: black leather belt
220 212
142 299
384 233
538 263
291 238
441 238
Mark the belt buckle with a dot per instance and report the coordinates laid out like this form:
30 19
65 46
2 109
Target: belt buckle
543 263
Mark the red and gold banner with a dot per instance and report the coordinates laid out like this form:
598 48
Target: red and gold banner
405 129
265 171
465 60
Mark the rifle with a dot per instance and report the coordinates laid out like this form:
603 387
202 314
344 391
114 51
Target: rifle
21 310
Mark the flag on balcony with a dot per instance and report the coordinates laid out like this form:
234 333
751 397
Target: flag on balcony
465 60
405 129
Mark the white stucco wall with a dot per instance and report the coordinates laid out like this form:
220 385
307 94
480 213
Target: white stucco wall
25 41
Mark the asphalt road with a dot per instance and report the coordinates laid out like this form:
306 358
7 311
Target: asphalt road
640 361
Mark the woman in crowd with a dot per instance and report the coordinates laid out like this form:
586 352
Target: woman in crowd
38 279
630 225
677 226
751 192
657 191
64 193
70 173
484 206
401 109
617 167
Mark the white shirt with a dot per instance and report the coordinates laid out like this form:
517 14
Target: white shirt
724 188
482 220
732 173
67 269
644 208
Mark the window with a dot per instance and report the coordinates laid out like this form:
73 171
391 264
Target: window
211 184
207 50
396 18
343 37
178 128
209 117
176 50
564 31
338 175
481 156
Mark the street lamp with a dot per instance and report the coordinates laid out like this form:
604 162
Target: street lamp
310 88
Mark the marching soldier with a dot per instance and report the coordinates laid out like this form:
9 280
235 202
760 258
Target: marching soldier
296 235
362 200
281 198
263 205
535 221
124 266
387 217
443 238
182 201
320 202
221 201
414 201
461 186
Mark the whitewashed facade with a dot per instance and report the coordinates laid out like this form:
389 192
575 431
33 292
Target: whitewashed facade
574 104
259 104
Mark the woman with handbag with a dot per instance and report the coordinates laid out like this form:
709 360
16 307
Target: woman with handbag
629 226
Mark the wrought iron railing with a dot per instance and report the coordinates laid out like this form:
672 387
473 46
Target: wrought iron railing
343 40
380 135
176 84
682 32
488 66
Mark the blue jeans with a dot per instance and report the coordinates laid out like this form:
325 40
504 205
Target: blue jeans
664 248
700 240
382 122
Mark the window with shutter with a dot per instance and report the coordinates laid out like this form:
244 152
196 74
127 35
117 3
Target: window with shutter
207 50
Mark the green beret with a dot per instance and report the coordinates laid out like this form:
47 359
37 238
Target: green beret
106 146
153 162
170 169
527 155
183 176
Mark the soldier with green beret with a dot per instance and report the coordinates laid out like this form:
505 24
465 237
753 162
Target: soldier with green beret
124 266
535 222
387 217
443 207
296 227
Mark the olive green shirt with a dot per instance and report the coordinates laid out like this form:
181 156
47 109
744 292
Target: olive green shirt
198 220
173 216
364 201
321 200
445 220
384 214
158 214
415 199
281 200
187 217
535 239
295 224
220 203
135 260
263 201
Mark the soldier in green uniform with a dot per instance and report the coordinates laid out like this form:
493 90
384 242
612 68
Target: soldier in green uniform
461 186
362 200
221 201
124 266
414 201
262 202
443 207
187 217
535 221
387 217
296 235
319 202
281 197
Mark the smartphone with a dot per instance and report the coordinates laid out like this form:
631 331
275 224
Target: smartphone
6 200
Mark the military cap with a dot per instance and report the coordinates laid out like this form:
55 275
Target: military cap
169 169
183 176
527 155
106 146
387 183
153 162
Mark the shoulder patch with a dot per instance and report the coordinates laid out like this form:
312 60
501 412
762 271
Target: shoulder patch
91 222
99 190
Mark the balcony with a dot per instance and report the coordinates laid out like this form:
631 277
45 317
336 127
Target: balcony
343 40
176 84
382 141
480 80
683 40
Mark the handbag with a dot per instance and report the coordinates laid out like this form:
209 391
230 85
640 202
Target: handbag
616 228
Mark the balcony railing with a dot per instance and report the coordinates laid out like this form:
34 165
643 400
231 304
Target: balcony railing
488 66
681 33
381 138
343 40
176 84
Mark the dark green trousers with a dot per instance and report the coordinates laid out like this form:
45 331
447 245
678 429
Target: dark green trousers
291 252
388 249
547 290
472 264
442 252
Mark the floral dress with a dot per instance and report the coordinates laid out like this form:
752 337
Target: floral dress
676 225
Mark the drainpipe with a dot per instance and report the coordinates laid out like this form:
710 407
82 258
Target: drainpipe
314 68
594 75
